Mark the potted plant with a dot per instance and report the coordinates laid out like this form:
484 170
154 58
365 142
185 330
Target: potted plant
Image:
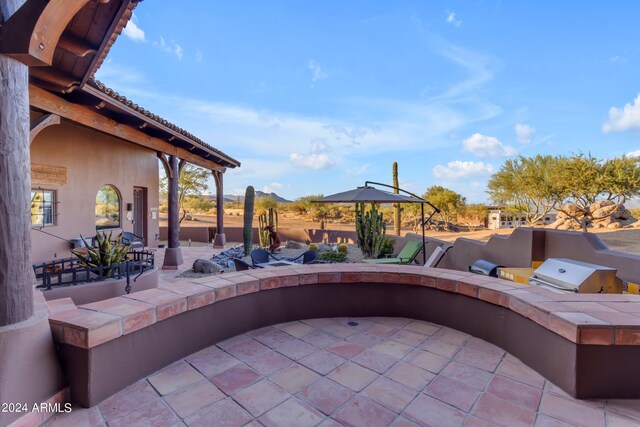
106 254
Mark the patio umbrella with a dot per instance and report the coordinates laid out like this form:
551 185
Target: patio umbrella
369 194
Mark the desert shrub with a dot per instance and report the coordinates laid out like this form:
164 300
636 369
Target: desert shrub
313 247
387 246
263 204
197 204
333 256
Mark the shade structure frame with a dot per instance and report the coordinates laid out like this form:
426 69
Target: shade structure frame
370 194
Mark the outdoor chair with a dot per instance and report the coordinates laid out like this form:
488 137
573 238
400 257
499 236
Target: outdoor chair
241 265
308 257
260 256
406 256
132 240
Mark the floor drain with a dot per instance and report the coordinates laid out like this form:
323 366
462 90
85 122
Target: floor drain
353 323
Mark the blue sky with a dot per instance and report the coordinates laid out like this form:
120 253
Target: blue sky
317 97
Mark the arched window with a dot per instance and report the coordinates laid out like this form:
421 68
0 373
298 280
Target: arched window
107 208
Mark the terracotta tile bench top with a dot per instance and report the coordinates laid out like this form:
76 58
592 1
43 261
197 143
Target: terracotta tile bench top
598 319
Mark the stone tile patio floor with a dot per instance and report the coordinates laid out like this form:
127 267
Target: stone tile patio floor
331 372
354 372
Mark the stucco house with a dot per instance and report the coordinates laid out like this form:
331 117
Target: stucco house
75 157
94 153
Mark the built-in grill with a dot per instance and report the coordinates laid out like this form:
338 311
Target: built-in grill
568 275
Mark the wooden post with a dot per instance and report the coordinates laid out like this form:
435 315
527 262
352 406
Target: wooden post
174 214
16 274
220 239
173 254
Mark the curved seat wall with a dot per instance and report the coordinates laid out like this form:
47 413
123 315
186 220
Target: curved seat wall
107 346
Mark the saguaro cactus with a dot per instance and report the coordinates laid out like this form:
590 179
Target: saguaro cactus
370 230
265 219
249 200
396 206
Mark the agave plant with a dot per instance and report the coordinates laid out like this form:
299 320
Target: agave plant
106 254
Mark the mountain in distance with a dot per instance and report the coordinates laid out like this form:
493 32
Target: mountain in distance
234 198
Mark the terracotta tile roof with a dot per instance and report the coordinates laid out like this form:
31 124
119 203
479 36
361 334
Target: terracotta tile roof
189 136
126 16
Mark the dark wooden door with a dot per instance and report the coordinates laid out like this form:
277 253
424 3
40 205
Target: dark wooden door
140 213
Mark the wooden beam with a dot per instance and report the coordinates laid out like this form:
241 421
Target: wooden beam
165 164
97 59
16 272
31 34
40 98
75 45
132 112
43 122
55 77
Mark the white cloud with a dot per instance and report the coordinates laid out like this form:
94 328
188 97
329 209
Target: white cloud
356 171
618 59
524 133
199 56
311 161
623 119
451 19
633 154
459 170
487 147
319 146
172 47
134 32
317 73
274 187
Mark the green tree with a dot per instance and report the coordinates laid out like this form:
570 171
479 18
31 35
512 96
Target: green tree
473 215
526 185
580 180
304 206
192 183
448 201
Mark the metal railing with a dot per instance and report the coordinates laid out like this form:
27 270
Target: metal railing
71 272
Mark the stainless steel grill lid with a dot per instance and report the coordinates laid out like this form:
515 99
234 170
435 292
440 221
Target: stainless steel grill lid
568 275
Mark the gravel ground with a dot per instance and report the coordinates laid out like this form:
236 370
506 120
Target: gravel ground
354 254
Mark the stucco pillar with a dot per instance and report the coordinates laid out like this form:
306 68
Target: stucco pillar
16 274
220 239
173 253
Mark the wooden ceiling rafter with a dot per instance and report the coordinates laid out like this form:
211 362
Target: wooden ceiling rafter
177 137
83 115
58 78
114 30
76 45
32 33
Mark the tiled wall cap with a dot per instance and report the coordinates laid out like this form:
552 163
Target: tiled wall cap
581 318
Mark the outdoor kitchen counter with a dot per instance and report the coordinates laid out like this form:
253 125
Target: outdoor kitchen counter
563 336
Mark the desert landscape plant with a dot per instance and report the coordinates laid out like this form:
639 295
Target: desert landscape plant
370 229
247 231
106 254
